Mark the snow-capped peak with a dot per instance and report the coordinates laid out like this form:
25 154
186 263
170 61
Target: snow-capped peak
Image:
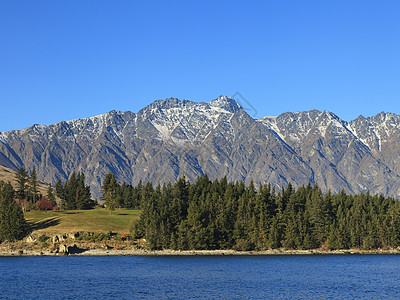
226 103
189 121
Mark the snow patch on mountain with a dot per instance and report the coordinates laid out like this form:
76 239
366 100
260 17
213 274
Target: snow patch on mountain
190 121
3 138
377 130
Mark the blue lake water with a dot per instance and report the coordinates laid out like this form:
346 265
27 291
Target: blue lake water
201 277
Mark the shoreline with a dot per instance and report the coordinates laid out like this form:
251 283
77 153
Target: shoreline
139 252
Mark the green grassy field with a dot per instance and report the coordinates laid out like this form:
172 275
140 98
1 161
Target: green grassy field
95 220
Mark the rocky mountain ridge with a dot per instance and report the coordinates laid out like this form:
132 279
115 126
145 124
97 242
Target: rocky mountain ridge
171 138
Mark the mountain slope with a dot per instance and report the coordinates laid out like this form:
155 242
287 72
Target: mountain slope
8 175
171 138
337 152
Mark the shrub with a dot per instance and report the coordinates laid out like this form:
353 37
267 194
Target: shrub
42 238
44 204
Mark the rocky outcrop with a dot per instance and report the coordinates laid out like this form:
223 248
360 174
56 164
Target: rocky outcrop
63 249
66 250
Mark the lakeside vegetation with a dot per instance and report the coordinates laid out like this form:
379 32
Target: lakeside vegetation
224 215
209 215
23 209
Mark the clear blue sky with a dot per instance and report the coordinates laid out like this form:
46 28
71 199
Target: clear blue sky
61 60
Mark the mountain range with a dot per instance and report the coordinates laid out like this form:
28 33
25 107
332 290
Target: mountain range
171 138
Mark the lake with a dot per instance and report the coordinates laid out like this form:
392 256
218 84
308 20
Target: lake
199 277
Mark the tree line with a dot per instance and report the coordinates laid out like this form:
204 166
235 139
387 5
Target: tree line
27 192
74 193
122 195
27 185
224 215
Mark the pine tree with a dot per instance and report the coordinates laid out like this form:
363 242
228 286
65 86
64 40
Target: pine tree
12 223
60 192
127 196
50 195
83 196
21 178
71 187
110 190
33 183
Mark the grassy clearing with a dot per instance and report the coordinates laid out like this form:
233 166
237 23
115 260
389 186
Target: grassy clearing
95 220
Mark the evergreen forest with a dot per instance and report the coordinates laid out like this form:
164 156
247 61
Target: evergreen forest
74 193
225 215
219 214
